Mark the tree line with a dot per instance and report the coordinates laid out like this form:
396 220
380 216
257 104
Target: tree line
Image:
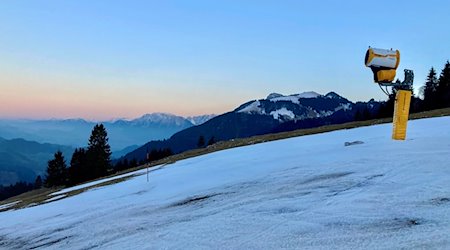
435 94
436 91
86 164
93 162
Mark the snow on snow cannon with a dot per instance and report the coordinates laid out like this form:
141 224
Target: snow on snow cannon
383 63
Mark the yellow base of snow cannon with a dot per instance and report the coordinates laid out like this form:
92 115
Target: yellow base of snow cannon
401 114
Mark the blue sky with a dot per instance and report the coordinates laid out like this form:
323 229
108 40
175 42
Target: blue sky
105 59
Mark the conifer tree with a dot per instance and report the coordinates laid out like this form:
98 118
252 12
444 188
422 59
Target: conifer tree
211 141
78 171
429 90
201 142
56 171
38 182
444 87
98 152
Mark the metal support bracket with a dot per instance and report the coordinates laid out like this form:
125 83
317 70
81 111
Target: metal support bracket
407 83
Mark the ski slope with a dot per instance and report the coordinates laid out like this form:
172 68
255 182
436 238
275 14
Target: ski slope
309 192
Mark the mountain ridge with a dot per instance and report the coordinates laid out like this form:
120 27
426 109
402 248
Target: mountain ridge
276 113
23 160
75 131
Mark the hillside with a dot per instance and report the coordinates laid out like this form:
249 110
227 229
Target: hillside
276 113
308 192
22 160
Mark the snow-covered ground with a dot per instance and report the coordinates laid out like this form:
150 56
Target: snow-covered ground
310 192
8 205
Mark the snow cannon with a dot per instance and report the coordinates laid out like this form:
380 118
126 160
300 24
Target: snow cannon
384 63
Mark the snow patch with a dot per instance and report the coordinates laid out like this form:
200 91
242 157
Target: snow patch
309 94
253 108
93 183
8 205
159 118
275 97
291 98
56 198
325 113
283 112
344 107
200 119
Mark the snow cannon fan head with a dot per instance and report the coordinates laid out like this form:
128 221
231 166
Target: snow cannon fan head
384 63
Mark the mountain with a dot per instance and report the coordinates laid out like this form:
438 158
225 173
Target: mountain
159 119
119 153
276 113
302 106
22 160
75 132
308 192
198 120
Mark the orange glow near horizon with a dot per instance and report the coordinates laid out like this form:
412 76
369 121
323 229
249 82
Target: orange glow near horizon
43 97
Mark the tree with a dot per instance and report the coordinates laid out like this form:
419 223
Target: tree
56 171
13 190
157 154
387 108
201 142
38 182
133 163
78 171
443 88
429 91
98 152
358 115
211 141
122 164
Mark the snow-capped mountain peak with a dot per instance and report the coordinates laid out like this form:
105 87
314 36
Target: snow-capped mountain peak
295 98
301 106
200 119
273 95
171 119
309 94
333 95
280 97
159 118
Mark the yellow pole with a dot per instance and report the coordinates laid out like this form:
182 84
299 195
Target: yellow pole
401 114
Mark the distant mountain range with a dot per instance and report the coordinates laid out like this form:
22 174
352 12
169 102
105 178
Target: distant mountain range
275 113
27 145
122 133
22 160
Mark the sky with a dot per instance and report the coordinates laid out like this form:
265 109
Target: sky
108 59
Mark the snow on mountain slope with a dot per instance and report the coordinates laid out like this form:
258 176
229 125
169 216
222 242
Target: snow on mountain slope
309 192
200 119
275 97
306 105
160 118
253 108
282 112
